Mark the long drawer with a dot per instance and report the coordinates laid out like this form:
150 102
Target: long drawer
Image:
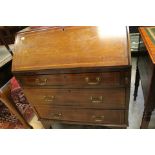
81 80
82 115
86 98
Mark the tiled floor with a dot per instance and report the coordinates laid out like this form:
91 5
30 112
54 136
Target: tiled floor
135 110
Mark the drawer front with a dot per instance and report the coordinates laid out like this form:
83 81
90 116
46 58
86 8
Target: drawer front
82 115
83 80
86 98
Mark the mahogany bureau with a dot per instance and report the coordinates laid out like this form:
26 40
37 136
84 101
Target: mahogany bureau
77 75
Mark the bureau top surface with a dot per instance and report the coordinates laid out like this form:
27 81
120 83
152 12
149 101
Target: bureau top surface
71 47
148 36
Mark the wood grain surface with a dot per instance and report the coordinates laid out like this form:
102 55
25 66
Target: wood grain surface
71 47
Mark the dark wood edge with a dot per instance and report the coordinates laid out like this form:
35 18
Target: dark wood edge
127 90
128 44
79 107
86 123
66 87
72 70
152 88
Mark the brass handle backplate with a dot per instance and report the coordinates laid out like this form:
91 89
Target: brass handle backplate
56 115
98 118
49 98
126 80
98 79
96 99
41 82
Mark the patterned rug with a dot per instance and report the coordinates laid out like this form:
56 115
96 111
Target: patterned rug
8 120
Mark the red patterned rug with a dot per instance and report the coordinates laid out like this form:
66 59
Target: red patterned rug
8 120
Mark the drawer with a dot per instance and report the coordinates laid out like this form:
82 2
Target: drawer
86 98
82 115
82 80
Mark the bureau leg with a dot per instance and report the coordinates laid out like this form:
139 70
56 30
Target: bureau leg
137 79
145 120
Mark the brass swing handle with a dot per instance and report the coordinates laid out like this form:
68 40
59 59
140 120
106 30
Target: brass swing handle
41 82
96 99
98 79
49 98
98 118
56 115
